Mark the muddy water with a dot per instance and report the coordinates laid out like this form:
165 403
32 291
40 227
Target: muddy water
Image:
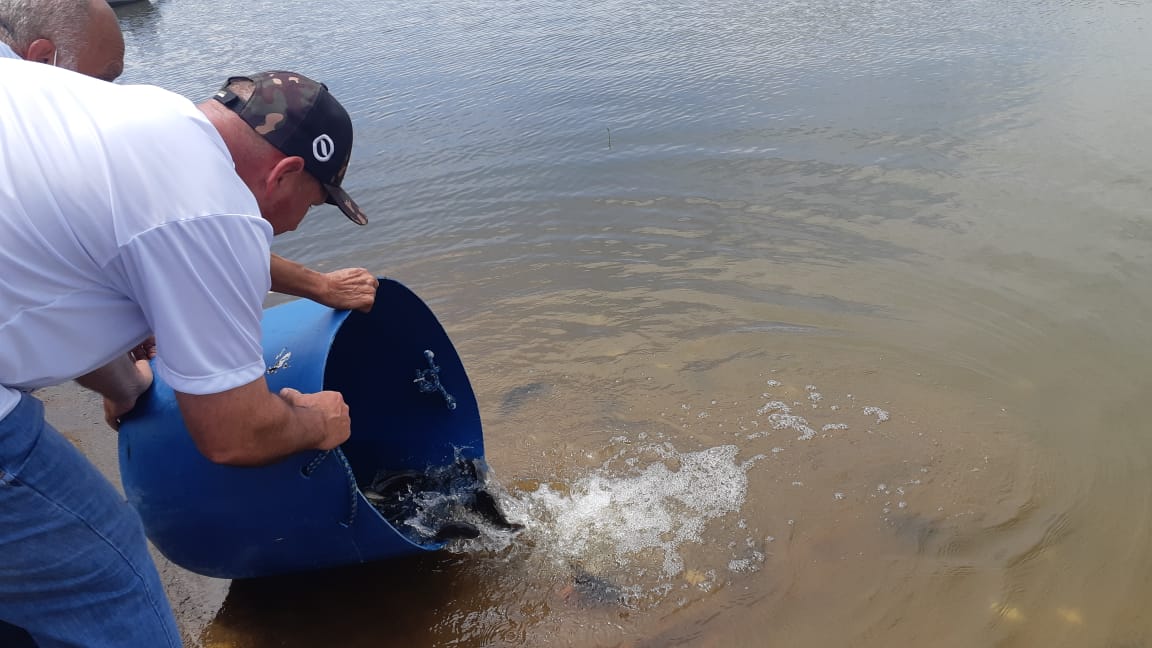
791 324
659 518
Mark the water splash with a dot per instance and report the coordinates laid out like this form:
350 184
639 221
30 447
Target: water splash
607 521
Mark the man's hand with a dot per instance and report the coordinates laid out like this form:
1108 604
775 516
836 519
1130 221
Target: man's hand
121 381
146 350
346 289
350 289
115 409
331 411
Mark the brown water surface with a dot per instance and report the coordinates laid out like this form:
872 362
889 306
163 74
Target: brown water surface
841 340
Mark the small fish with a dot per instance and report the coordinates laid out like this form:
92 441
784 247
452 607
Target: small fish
456 530
486 506
589 590
440 504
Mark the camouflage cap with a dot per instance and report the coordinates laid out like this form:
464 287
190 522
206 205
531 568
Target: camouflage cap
301 118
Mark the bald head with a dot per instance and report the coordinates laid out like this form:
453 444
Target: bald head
79 35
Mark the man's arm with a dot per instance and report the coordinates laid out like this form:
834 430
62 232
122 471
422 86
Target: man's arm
348 288
120 382
243 426
250 426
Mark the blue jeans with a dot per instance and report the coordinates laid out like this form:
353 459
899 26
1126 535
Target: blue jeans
74 565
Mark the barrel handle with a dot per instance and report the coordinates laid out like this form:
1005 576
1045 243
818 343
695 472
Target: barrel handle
353 489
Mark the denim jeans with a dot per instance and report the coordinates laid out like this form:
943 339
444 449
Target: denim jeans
74 565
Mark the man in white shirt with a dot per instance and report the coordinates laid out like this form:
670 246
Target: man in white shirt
84 36
126 211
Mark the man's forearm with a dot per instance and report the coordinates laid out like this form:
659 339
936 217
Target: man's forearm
249 426
343 289
291 278
119 381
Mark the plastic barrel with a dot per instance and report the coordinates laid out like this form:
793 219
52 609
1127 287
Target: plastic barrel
307 511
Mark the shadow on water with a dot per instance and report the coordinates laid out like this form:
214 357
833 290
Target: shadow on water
433 599
388 603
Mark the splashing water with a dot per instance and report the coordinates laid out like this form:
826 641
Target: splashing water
606 522
651 522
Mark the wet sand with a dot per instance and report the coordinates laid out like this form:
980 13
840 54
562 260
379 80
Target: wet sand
78 415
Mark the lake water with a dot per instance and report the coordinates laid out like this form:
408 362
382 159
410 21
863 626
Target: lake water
792 323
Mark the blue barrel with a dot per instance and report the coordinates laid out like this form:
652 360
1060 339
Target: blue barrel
412 408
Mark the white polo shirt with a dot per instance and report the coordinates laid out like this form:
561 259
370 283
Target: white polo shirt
121 215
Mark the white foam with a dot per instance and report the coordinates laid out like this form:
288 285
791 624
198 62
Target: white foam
750 564
781 421
605 520
778 406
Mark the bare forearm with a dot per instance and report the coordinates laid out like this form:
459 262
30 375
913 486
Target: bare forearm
291 278
343 289
272 432
119 381
249 426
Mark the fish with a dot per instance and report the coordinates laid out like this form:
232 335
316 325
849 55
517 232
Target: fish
440 504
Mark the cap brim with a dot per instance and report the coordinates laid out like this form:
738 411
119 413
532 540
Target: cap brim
338 197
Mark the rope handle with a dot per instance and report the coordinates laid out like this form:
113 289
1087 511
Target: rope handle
353 489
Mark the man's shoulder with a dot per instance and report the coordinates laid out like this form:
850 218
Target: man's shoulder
47 100
169 154
152 114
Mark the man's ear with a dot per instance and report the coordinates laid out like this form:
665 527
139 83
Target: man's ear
284 173
41 50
